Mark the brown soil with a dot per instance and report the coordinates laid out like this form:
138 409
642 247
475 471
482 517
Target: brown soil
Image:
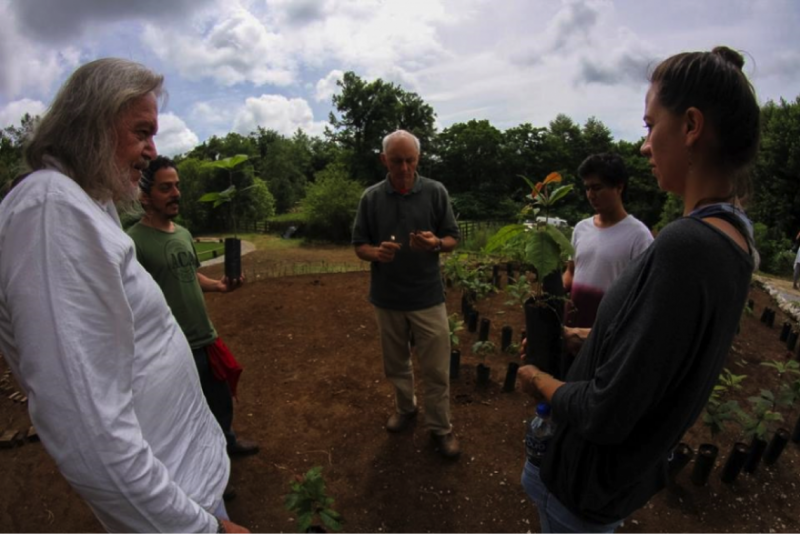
313 393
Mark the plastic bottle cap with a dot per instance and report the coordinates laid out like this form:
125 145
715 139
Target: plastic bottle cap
543 409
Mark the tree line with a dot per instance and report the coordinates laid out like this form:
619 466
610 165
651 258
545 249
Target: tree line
478 163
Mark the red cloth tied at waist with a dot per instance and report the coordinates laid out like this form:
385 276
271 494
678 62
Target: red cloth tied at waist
224 365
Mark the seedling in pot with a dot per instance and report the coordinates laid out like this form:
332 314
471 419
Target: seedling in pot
482 349
757 425
310 502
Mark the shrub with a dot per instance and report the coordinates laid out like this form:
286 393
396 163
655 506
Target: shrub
775 250
331 203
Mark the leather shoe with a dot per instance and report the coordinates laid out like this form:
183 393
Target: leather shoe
447 444
242 447
229 494
400 421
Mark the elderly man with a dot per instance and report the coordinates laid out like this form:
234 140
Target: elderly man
111 384
402 225
166 251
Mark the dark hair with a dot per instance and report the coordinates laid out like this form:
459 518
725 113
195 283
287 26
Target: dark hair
609 167
149 174
714 83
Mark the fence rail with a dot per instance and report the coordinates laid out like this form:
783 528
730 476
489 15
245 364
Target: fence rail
470 228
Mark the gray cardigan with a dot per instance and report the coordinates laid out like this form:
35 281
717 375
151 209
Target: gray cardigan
645 373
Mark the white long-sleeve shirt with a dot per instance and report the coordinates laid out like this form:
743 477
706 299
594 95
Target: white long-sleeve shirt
112 387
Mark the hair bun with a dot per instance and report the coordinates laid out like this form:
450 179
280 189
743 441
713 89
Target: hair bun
731 56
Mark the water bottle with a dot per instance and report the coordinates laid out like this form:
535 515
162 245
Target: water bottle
540 432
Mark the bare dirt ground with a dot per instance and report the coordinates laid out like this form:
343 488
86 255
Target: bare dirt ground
313 393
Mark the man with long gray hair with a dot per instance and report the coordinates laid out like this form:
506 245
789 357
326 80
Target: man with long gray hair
112 387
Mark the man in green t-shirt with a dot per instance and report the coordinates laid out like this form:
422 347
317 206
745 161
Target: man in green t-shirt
166 251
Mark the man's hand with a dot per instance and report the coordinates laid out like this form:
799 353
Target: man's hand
226 286
230 526
424 241
386 251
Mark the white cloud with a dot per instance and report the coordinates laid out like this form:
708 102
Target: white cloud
11 113
276 112
58 21
237 49
326 87
28 67
174 137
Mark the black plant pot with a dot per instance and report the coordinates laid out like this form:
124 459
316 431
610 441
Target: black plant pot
505 337
496 276
757 447
465 305
510 272
796 432
543 320
472 321
735 462
483 335
751 304
681 456
316 528
511 377
455 363
233 258
776 446
771 318
704 463
483 372
791 340
785 331
765 315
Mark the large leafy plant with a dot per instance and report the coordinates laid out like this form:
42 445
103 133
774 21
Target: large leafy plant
228 196
535 240
310 502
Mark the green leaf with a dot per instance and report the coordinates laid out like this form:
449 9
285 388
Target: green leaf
291 501
329 521
527 181
209 197
303 522
561 240
498 240
559 193
542 252
227 163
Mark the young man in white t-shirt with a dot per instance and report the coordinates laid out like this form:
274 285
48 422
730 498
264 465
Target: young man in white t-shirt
605 243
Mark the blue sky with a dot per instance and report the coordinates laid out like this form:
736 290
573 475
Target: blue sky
234 65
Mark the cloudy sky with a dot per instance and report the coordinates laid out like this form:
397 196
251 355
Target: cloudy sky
233 65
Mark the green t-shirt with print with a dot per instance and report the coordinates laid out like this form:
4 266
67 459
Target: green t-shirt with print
171 260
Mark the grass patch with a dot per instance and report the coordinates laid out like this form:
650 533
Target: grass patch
284 217
205 251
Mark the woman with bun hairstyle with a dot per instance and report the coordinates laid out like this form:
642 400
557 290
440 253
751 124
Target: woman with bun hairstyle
665 327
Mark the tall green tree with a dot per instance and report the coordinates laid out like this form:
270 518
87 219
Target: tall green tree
776 178
368 111
12 140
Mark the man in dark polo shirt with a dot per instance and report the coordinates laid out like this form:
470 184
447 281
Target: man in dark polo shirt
402 225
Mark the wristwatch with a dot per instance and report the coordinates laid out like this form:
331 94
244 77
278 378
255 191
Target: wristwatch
438 247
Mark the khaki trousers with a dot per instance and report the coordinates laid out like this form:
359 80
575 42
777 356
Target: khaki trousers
432 342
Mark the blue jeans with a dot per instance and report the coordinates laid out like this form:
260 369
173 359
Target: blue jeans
554 516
